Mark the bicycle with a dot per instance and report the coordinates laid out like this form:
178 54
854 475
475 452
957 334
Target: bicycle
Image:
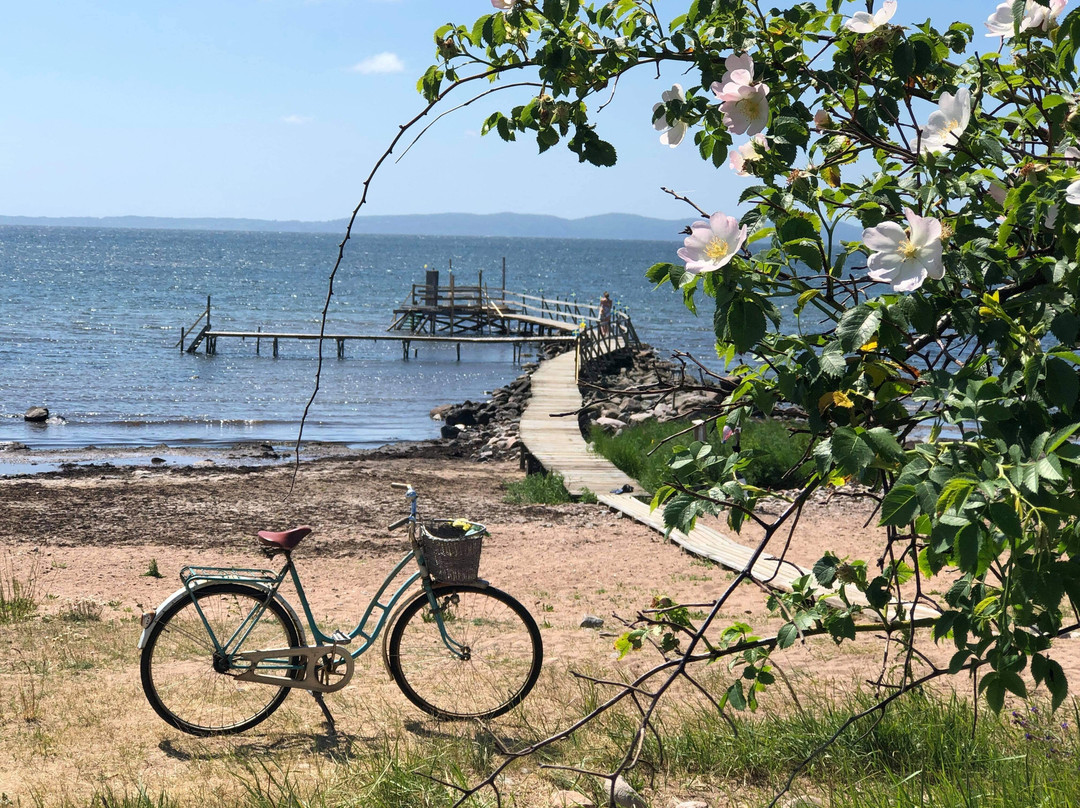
223 652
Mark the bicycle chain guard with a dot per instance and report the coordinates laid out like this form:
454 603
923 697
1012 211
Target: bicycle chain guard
329 667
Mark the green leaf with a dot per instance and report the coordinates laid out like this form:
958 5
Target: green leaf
735 697
1005 518
1062 385
900 506
968 544
746 323
841 628
850 451
903 60
955 493
825 570
787 635
858 326
991 684
884 443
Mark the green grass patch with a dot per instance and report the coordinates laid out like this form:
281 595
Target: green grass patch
641 452
630 449
18 594
536 489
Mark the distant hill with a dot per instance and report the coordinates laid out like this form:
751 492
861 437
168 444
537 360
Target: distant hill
622 226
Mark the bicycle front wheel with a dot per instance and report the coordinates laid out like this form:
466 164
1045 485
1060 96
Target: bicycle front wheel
491 662
190 683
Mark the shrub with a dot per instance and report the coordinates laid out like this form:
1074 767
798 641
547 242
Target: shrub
641 452
536 489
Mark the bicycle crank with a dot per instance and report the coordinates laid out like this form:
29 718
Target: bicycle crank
327 668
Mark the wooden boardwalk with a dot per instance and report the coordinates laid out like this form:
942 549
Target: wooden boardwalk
556 442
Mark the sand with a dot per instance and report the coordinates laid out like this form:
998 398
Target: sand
89 536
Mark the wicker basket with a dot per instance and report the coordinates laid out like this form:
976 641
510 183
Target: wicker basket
452 549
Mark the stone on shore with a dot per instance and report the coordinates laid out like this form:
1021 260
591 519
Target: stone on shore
626 796
36 414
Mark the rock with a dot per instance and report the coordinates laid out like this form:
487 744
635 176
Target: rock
692 804
36 414
592 621
611 423
157 461
640 417
571 799
439 412
448 432
13 446
626 797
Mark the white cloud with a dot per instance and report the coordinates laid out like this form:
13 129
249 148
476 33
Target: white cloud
296 120
380 63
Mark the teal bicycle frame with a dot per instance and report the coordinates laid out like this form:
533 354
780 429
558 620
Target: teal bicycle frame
270 582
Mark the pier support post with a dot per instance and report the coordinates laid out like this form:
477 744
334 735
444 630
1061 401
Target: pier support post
340 348
459 352
275 347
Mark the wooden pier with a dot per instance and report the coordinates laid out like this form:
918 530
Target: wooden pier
453 314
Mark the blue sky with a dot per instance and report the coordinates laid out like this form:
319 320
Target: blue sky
277 109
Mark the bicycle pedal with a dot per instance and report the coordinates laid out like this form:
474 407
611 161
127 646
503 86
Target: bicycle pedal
341 638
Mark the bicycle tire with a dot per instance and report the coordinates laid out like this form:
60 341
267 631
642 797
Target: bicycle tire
178 670
504 653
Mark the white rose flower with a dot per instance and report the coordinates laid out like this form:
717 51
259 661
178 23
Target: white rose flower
670 135
1000 23
745 107
746 153
905 260
863 23
712 244
946 123
1072 193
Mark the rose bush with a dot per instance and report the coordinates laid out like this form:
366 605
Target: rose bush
934 356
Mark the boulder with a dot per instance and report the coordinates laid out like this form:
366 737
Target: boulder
36 414
592 621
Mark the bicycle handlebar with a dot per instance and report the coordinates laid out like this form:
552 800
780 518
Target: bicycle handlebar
411 494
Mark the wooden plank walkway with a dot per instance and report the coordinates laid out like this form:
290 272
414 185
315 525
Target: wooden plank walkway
557 444
709 543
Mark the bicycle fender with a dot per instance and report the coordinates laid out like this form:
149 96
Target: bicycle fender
149 619
479 583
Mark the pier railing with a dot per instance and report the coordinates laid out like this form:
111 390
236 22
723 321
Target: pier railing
598 341
193 345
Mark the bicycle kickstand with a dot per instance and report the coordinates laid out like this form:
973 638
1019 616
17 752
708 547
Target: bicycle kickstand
325 710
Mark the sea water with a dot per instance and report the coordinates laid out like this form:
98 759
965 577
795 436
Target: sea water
90 320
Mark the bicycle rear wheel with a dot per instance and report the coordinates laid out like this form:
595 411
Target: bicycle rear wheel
500 653
190 684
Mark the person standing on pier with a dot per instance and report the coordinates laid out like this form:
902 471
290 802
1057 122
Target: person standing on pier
605 314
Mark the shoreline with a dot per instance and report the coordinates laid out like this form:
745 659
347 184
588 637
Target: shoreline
614 395
25 462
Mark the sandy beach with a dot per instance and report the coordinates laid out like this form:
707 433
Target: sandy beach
87 537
